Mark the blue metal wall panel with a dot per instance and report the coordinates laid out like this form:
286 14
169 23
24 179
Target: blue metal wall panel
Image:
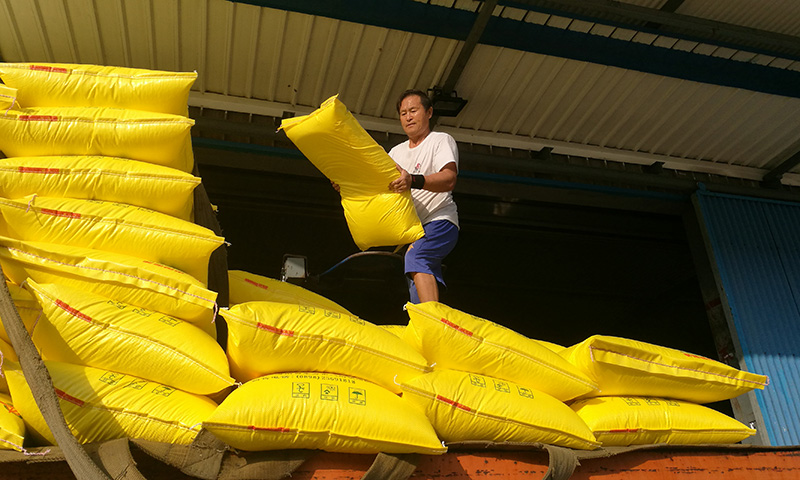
756 247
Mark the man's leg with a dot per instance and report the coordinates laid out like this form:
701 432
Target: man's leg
423 260
427 288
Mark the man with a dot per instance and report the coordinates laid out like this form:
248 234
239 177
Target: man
428 166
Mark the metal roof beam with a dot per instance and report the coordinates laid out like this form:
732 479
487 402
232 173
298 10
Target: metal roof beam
745 38
470 43
773 177
669 6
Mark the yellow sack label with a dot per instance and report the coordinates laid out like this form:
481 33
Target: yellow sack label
128 279
12 428
621 366
269 337
26 306
335 413
158 138
626 421
82 328
248 287
71 85
117 228
455 340
101 405
465 407
111 179
333 140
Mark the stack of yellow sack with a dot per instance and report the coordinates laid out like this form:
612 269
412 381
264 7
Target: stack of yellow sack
619 391
315 376
652 394
95 222
491 384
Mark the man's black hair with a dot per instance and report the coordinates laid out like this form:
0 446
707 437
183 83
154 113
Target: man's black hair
423 97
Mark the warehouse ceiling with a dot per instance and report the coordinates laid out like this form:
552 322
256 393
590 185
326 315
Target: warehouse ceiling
686 86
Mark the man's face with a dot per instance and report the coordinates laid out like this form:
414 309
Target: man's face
413 116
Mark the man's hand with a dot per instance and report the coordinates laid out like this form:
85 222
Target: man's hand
402 183
335 186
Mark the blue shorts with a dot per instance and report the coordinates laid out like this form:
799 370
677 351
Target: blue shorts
426 254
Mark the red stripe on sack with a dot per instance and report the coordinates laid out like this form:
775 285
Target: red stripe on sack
60 213
453 403
39 170
279 331
271 429
695 356
256 284
73 311
453 325
65 396
38 118
45 68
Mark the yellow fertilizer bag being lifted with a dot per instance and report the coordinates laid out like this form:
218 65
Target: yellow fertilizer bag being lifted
111 179
124 278
333 140
455 340
86 329
269 337
465 407
113 227
158 138
71 85
26 306
623 421
248 287
101 405
621 366
335 413
12 427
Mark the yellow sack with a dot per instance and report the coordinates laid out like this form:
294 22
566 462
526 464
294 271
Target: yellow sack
127 279
248 287
112 227
101 405
626 421
70 85
158 138
335 413
552 346
464 407
398 330
86 329
12 428
268 337
621 366
111 179
26 306
455 340
333 140
6 353
8 97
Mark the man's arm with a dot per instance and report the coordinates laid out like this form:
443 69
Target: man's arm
442 181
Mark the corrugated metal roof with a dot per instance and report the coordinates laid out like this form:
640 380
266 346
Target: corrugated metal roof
773 15
255 59
754 243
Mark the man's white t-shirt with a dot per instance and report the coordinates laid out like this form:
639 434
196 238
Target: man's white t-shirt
430 156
